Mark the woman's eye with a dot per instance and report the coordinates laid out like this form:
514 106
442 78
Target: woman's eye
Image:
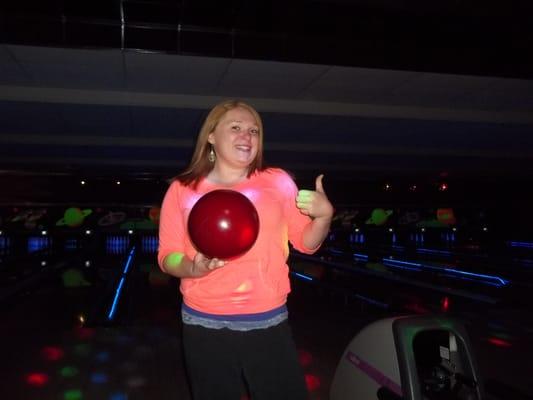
236 127
254 131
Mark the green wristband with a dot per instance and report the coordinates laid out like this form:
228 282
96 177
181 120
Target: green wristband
174 259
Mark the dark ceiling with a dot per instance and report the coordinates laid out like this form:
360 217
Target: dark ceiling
351 88
470 37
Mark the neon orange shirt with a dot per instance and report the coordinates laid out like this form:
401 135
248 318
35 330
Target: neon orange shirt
258 280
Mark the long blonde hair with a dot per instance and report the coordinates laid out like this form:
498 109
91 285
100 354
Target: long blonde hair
200 165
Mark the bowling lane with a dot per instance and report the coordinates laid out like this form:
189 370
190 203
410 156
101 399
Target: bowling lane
137 354
506 264
500 331
323 323
482 254
504 277
58 341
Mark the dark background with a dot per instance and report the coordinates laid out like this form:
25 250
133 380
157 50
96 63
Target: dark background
368 92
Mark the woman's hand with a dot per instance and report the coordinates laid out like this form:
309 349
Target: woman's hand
201 265
315 203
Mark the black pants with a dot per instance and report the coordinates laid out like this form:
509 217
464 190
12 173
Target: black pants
218 360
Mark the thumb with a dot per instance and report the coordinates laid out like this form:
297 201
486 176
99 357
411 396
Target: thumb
318 183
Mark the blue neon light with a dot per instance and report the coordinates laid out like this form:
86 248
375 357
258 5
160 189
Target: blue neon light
390 263
360 256
391 260
464 278
521 244
432 251
308 278
336 251
372 301
116 298
128 262
500 281
37 243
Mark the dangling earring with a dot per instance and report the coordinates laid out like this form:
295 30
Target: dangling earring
211 157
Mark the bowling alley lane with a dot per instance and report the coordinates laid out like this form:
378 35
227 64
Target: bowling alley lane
88 323
342 287
86 313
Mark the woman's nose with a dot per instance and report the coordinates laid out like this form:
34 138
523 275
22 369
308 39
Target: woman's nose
245 133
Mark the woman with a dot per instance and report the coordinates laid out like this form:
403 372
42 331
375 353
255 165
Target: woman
234 312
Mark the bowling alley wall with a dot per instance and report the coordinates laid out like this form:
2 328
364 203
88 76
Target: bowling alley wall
64 212
397 210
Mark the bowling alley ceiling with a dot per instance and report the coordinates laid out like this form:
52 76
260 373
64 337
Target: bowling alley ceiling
351 88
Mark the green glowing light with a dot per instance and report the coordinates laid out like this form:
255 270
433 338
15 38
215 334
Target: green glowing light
173 259
73 395
68 372
379 217
73 278
73 217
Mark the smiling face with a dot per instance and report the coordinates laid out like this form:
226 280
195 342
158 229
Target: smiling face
235 140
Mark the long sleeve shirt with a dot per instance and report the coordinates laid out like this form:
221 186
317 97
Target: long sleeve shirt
256 281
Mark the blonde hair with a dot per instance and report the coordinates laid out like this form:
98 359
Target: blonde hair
200 165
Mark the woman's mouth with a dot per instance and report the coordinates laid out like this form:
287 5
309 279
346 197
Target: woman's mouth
243 148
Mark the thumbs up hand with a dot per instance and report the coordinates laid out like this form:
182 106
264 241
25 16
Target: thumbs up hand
315 203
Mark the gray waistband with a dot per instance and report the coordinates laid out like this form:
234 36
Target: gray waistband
233 325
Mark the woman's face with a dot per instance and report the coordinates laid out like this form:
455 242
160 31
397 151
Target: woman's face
235 139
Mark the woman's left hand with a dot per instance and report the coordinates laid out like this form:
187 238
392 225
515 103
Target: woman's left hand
315 203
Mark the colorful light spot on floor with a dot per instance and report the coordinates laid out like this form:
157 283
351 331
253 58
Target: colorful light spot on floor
102 356
99 377
118 396
445 304
68 371
51 353
37 379
305 358
84 333
499 342
73 394
312 382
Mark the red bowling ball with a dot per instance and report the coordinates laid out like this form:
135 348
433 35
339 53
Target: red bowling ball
223 224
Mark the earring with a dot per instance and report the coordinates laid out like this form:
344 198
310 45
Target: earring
211 157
